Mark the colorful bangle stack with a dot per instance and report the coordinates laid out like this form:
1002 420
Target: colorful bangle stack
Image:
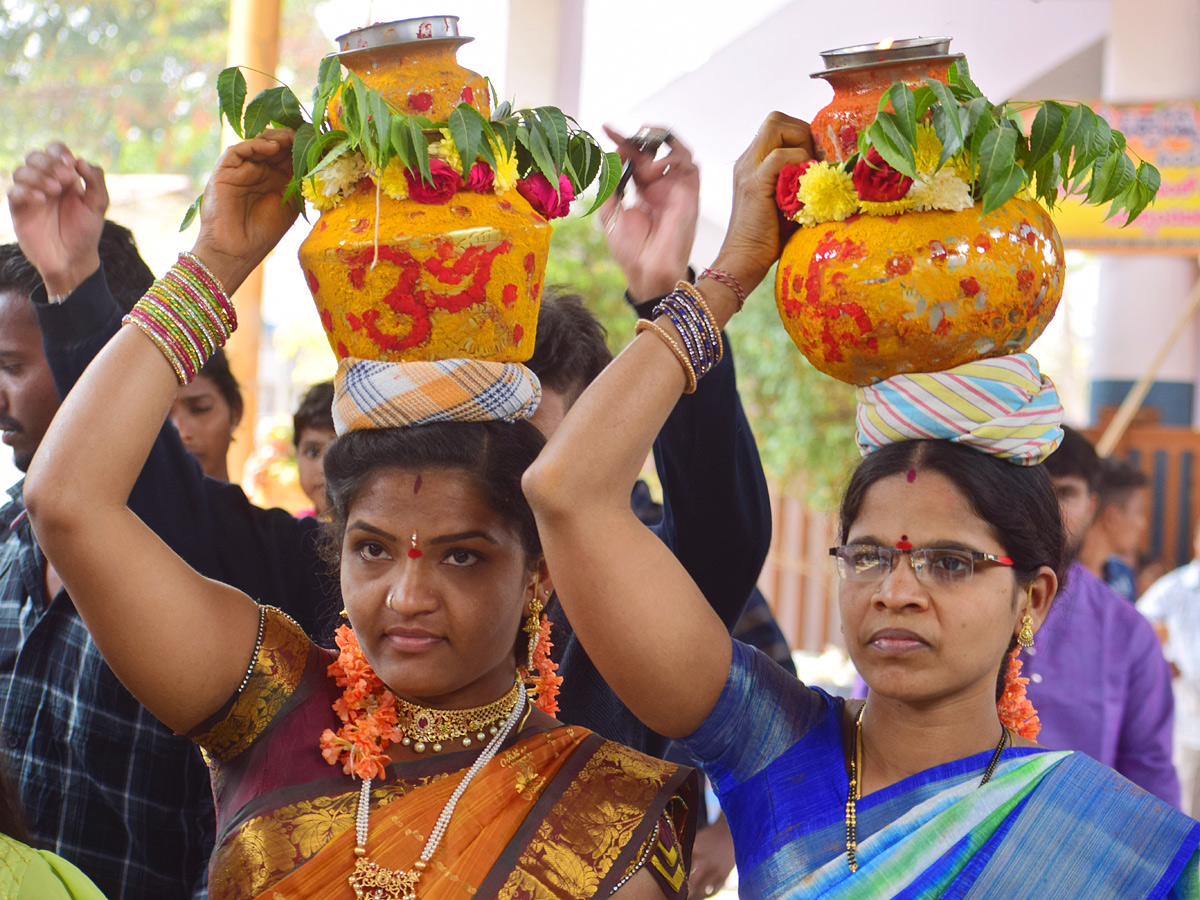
187 314
702 345
722 277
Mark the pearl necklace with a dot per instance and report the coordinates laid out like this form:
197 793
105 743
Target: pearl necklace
855 790
372 881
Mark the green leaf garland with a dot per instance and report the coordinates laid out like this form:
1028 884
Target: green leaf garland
543 140
1069 150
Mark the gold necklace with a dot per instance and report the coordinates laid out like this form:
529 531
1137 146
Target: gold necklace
376 882
855 790
424 727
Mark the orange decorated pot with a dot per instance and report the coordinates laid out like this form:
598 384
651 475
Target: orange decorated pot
412 63
427 281
460 279
860 76
873 297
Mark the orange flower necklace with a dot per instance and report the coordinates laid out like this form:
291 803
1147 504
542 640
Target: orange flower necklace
373 718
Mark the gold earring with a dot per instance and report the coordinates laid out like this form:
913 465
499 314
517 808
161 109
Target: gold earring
533 626
1025 635
344 614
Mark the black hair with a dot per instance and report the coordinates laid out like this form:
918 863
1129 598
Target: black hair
126 272
17 273
493 454
218 372
315 410
1018 504
1075 457
1117 482
570 350
12 814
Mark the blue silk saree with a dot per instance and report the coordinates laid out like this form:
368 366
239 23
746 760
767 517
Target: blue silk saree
1048 824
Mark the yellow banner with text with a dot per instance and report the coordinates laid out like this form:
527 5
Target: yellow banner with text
1166 134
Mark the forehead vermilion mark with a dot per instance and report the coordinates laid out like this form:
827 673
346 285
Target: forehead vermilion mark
903 543
912 475
417 485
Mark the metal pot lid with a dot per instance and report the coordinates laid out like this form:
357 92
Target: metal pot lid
403 31
831 74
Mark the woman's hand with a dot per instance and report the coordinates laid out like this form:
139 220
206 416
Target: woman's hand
652 239
753 240
243 215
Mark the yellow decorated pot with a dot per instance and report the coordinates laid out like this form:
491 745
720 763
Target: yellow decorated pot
437 280
460 279
873 297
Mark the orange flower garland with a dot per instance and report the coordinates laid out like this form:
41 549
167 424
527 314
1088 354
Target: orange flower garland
1015 709
544 685
367 710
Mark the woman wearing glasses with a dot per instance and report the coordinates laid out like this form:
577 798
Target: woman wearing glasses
950 553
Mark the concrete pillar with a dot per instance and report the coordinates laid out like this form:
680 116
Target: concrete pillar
545 53
1150 54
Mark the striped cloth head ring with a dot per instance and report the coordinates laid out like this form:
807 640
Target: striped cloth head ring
372 394
1003 406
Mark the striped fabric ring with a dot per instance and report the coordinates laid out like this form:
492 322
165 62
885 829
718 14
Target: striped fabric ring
1003 406
371 394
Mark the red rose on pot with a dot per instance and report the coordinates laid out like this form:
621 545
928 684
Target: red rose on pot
877 182
446 181
480 178
787 185
543 198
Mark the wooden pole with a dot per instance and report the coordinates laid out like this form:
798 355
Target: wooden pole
1133 400
253 43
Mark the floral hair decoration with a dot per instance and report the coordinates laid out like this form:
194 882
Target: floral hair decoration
1015 708
367 709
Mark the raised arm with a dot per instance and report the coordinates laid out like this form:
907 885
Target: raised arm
179 641
716 510
639 615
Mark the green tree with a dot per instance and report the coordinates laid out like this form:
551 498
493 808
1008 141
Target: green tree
803 420
130 84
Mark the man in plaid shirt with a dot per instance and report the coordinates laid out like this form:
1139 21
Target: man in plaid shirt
103 783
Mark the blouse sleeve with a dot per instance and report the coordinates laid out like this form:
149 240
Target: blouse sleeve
761 712
272 677
50 877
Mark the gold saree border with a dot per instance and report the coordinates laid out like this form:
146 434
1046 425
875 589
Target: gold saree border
598 821
276 674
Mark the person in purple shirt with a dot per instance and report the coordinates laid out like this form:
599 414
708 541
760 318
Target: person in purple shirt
1096 671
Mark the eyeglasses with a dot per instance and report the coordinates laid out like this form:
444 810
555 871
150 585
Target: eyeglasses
937 566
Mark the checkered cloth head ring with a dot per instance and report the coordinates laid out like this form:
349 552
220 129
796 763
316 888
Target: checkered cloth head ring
371 394
1003 406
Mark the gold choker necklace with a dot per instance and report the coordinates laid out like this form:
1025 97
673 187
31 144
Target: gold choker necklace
855 790
431 728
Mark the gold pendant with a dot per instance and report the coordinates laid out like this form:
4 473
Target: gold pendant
372 881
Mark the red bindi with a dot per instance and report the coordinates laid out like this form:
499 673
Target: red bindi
912 475
417 485
414 551
903 543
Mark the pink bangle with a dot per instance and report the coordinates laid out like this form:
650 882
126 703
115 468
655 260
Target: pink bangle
722 277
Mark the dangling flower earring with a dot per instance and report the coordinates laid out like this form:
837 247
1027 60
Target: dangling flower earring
545 683
1025 635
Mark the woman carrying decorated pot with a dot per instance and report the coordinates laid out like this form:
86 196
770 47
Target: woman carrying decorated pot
435 776
950 553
